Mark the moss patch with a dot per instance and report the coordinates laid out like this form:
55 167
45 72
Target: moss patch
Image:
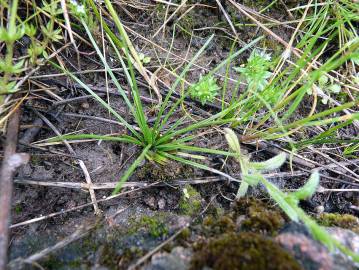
18 208
258 216
242 251
345 221
190 202
212 226
154 225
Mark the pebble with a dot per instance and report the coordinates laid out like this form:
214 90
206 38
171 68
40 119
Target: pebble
161 204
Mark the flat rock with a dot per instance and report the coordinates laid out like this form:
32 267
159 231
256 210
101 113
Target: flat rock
314 256
178 259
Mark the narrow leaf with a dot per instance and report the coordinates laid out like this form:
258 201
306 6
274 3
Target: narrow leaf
270 164
232 140
309 188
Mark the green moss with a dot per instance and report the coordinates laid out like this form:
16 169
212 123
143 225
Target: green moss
258 216
131 254
108 256
154 225
215 226
52 262
88 243
247 251
18 208
215 210
185 234
190 202
345 221
56 262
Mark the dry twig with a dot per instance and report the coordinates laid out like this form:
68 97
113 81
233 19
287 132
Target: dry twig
11 162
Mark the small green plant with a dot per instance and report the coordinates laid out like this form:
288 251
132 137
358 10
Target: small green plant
328 86
155 226
190 202
77 9
250 169
205 90
144 59
288 202
9 36
256 70
14 31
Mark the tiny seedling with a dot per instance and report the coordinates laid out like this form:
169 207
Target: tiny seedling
144 59
205 90
328 86
256 70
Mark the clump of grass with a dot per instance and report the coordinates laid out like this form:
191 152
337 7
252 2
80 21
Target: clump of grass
264 102
157 142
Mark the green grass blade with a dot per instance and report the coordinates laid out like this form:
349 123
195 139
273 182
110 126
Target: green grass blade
139 112
175 84
183 147
100 100
108 69
122 138
198 165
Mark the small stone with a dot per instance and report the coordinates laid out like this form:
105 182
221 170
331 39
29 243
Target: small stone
85 105
319 209
151 202
346 237
311 255
161 204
